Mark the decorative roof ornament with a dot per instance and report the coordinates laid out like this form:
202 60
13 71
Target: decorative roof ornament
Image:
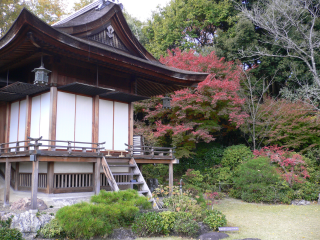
110 31
105 3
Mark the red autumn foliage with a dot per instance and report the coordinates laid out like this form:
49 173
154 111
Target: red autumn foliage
196 114
292 166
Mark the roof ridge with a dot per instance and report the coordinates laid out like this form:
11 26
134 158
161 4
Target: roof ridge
78 13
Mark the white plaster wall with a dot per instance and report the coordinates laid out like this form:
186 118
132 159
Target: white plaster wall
121 124
67 167
22 120
106 123
118 169
35 117
14 123
26 167
44 115
65 117
83 121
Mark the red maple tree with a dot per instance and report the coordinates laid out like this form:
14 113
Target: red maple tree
196 113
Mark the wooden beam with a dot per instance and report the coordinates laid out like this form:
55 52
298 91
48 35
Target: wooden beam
7 184
96 175
50 173
156 161
34 184
16 177
131 124
170 178
65 159
53 115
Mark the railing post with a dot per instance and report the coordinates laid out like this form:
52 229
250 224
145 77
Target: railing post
69 147
98 148
131 150
152 151
2 146
170 152
17 147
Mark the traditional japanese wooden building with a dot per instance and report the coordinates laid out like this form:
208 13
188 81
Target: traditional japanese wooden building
67 133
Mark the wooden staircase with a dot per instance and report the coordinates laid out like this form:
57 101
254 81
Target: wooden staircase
135 177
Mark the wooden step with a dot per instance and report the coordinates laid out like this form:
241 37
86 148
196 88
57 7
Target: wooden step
128 183
125 174
122 165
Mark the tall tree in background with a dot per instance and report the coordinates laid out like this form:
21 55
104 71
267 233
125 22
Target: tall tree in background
49 11
82 3
9 11
291 27
187 24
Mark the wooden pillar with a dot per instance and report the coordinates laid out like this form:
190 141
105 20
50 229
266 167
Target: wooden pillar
53 114
95 120
170 177
8 123
7 183
130 140
96 175
28 119
16 177
34 184
50 173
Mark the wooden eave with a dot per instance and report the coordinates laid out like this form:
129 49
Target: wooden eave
37 35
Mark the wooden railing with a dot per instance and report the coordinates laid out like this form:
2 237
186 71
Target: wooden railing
26 178
51 145
72 180
151 151
117 178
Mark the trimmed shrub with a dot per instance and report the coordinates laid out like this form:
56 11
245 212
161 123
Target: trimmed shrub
215 219
235 155
148 224
257 181
185 225
168 221
84 220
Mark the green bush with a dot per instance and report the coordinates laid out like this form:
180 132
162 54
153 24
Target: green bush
235 155
215 219
110 210
148 224
52 230
185 225
257 181
307 191
6 233
84 220
193 177
168 221
159 171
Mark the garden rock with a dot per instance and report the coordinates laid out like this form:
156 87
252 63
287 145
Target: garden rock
213 236
27 223
121 233
300 202
24 204
152 184
204 228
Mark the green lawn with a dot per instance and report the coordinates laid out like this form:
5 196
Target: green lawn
269 222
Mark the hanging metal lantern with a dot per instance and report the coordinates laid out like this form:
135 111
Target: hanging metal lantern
41 75
166 102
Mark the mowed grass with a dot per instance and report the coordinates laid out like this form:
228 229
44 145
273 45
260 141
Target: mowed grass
268 222
271 221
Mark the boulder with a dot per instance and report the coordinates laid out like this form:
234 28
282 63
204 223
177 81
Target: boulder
122 234
152 184
213 236
24 204
300 202
204 228
28 223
